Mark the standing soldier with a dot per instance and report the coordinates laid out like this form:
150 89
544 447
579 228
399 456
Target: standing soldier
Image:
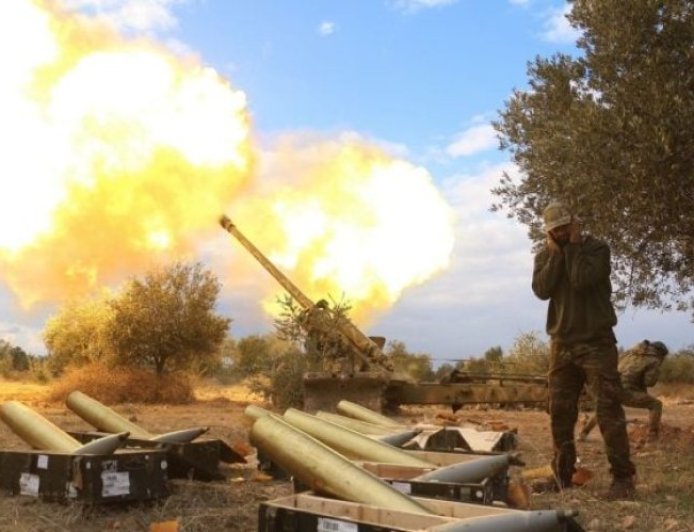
639 368
572 271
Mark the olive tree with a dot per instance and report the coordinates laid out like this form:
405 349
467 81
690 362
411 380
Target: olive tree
167 319
610 133
79 333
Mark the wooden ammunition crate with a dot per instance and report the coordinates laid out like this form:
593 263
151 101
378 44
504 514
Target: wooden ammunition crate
307 512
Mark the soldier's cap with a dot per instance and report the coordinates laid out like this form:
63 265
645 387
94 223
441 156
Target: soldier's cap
661 348
555 215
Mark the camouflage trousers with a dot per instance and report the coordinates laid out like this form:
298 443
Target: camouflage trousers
637 399
592 364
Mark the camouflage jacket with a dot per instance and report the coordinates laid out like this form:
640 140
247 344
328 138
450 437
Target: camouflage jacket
577 284
639 367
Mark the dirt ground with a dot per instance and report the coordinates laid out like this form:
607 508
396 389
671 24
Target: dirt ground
665 499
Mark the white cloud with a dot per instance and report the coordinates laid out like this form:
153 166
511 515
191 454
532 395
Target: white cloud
557 28
26 337
519 2
473 140
484 298
326 28
394 149
412 6
131 15
491 251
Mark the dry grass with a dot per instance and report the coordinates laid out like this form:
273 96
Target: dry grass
674 393
665 482
198 507
121 384
241 393
27 392
665 487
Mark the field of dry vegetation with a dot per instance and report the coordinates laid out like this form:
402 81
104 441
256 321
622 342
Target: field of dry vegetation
665 499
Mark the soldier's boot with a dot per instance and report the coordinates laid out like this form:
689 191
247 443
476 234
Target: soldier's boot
621 489
563 465
654 416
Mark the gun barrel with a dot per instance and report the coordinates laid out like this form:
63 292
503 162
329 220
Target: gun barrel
290 287
362 345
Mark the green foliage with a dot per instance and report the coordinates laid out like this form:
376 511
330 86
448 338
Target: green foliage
678 367
224 370
316 331
289 323
416 366
79 333
5 358
284 388
528 354
20 359
13 359
494 355
166 321
39 369
475 365
256 354
610 134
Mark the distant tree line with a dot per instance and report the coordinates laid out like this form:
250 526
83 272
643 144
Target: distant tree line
529 355
12 358
166 321
14 361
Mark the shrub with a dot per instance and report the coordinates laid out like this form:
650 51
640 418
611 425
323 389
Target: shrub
284 387
678 368
124 384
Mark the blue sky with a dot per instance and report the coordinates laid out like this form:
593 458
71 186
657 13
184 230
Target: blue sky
423 79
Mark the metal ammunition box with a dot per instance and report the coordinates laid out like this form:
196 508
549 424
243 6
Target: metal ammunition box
402 478
198 459
128 475
494 487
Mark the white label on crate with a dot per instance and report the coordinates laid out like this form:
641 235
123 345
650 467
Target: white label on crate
333 525
29 484
71 491
42 461
115 483
403 487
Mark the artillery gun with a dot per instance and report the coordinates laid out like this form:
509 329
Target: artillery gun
370 378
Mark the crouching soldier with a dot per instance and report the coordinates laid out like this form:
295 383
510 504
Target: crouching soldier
639 368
